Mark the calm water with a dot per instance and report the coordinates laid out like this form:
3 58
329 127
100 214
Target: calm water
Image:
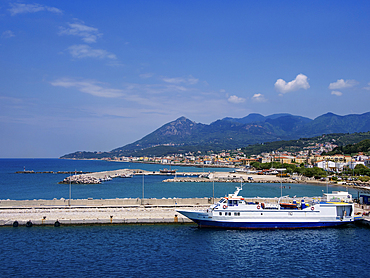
45 186
182 251
168 250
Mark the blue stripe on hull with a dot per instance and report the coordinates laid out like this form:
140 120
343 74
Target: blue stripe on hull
266 225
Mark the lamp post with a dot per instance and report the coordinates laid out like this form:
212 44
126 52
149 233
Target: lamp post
142 199
70 189
281 180
213 182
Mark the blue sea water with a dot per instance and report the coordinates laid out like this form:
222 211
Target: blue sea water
45 186
166 250
182 251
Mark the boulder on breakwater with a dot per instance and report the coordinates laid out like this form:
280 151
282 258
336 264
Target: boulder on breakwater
80 179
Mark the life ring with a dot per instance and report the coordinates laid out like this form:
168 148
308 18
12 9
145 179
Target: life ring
15 224
312 208
225 206
258 207
29 224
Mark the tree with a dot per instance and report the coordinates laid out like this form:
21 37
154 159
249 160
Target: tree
315 172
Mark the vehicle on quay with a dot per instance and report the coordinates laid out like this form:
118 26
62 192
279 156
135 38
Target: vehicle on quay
235 212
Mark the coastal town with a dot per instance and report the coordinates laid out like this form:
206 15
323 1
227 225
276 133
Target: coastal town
311 156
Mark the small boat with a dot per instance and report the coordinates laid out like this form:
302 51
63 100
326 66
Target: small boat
234 212
126 175
106 178
166 171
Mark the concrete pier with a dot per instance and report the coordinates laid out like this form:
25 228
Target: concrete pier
90 216
102 211
98 211
114 211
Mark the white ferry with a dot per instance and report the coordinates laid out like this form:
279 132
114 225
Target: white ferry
234 212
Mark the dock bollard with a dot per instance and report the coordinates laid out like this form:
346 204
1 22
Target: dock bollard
111 219
176 219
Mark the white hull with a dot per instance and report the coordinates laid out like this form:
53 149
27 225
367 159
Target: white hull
233 212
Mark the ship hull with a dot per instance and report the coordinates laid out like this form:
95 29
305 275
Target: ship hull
267 225
204 220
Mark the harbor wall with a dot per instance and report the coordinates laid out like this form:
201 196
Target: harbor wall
126 202
110 211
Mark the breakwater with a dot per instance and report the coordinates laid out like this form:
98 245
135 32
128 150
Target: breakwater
99 177
115 211
97 211
104 203
226 179
50 172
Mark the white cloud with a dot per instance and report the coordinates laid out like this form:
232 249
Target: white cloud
88 87
146 75
88 34
367 88
18 8
235 99
83 51
258 98
192 80
177 80
300 82
7 34
341 84
336 93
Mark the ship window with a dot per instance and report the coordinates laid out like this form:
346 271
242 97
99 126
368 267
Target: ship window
229 213
237 213
220 213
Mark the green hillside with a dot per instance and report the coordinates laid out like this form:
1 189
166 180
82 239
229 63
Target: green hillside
340 139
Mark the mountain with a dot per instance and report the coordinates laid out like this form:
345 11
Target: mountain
331 123
184 135
173 133
254 118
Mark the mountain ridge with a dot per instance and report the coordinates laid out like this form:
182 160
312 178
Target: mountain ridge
182 134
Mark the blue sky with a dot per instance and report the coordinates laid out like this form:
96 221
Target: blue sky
96 75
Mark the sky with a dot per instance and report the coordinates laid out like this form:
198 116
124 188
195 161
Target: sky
96 75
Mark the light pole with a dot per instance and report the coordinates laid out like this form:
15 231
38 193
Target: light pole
142 199
70 189
281 184
213 182
281 180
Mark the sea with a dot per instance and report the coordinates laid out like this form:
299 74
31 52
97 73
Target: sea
167 250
